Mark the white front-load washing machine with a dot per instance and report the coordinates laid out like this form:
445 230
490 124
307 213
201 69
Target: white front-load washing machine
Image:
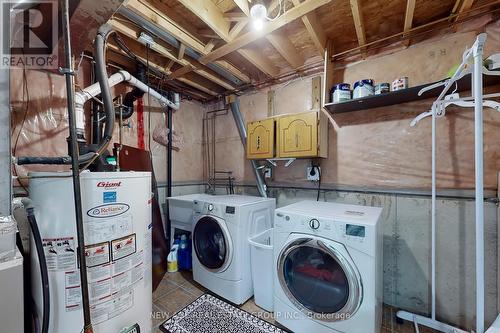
328 260
221 252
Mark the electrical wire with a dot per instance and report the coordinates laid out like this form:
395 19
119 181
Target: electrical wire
319 182
279 12
27 101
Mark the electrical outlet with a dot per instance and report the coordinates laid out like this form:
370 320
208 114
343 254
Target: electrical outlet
313 173
268 173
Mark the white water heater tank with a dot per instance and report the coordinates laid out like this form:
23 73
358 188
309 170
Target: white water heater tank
117 229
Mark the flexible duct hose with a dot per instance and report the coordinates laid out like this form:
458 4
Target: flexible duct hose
44 273
102 77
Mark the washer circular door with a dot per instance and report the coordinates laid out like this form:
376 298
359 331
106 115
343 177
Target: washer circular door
319 277
212 243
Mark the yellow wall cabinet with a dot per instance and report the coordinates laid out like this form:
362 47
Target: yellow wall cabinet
302 135
260 139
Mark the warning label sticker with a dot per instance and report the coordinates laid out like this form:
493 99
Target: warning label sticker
111 308
123 247
111 283
73 295
60 253
97 254
99 230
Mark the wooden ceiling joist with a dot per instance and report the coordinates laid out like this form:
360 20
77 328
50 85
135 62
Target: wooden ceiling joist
149 12
357 15
130 32
209 13
410 10
156 63
235 17
313 27
460 7
287 50
182 50
242 41
281 43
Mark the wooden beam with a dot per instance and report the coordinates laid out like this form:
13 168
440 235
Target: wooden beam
209 46
182 50
262 63
285 47
209 13
169 65
287 50
238 27
130 32
162 21
156 63
149 12
358 21
460 7
181 72
410 10
243 5
240 42
315 30
213 17
235 17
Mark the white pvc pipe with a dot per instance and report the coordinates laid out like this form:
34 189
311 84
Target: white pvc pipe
477 86
93 90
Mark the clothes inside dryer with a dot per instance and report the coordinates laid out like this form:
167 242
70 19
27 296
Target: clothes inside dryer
316 280
210 243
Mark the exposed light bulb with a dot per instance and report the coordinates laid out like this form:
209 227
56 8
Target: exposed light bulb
258 24
258 13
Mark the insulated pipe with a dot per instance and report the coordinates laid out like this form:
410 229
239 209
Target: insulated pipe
240 124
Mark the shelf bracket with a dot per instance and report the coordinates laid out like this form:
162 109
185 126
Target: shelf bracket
288 162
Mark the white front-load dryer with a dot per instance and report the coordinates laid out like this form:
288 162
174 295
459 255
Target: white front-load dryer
221 252
328 268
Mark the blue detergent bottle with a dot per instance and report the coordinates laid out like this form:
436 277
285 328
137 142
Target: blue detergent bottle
184 254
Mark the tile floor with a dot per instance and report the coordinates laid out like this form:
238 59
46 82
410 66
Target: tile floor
178 290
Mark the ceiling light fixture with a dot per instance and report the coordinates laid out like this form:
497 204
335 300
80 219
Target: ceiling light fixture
258 14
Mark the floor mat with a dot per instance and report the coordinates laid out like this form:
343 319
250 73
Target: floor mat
210 314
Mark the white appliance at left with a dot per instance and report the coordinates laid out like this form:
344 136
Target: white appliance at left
11 294
117 228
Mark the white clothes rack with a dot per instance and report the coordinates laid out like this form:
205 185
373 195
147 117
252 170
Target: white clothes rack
472 63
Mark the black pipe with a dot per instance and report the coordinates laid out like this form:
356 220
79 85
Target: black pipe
96 114
70 85
44 274
133 95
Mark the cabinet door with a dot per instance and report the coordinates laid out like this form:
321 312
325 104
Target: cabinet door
260 139
298 135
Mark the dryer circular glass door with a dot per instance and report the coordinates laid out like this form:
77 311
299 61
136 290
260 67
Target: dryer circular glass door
320 279
212 243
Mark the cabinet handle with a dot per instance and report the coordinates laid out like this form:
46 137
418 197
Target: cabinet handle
258 142
296 140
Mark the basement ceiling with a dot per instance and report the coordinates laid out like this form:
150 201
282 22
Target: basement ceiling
208 48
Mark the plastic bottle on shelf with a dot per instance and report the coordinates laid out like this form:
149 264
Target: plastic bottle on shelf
185 262
172 259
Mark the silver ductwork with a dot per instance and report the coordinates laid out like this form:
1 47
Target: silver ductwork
171 40
240 124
